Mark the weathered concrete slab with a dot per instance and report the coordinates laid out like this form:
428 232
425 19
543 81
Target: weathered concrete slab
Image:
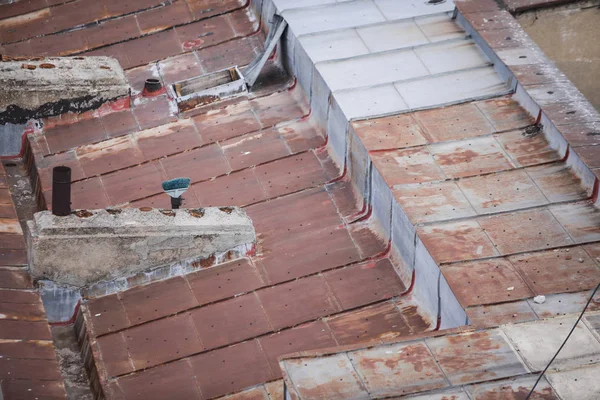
88 246
53 86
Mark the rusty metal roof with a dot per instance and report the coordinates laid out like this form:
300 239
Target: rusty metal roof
500 192
28 364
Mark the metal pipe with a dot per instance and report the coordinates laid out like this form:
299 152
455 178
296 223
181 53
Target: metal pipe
61 191
152 85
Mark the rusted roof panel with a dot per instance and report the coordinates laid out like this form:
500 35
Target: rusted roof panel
486 282
498 314
327 378
558 270
513 389
460 356
507 191
398 369
470 157
525 231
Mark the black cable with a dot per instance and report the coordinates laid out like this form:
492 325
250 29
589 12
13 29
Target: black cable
564 342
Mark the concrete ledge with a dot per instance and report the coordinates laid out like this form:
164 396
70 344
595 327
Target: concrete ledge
90 246
53 86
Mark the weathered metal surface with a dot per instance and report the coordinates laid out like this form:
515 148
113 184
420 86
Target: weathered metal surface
526 149
331 377
513 389
470 157
454 123
476 357
485 282
580 220
223 281
367 283
493 315
398 369
564 303
313 336
457 241
558 182
407 166
525 231
230 321
429 202
393 132
503 191
369 324
581 349
559 270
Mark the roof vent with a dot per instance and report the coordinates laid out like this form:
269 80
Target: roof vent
207 89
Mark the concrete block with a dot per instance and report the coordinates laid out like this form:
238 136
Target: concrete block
53 86
91 246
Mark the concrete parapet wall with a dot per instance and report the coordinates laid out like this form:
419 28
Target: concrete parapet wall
52 86
91 246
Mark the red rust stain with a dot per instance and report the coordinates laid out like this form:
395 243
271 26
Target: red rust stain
47 66
168 213
207 262
192 44
465 156
146 209
114 211
471 353
508 393
197 102
415 355
196 212
227 210
83 213
4 57
28 66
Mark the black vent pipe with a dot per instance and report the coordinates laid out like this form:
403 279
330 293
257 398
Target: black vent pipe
61 191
